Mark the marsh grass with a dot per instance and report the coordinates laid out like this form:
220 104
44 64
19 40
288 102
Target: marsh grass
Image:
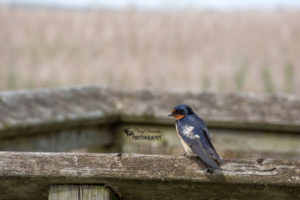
11 78
267 79
289 75
251 51
240 76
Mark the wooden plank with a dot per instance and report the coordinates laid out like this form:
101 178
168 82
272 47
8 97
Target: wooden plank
44 110
66 192
133 176
80 192
76 139
232 111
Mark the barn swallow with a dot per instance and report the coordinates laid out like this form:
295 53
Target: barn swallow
194 136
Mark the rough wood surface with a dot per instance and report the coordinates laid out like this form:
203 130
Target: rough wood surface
80 192
135 176
23 112
243 111
42 110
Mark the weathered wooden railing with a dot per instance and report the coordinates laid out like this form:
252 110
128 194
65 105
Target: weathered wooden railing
93 119
135 176
97 119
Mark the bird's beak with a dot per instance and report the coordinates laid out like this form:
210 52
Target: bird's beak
170 115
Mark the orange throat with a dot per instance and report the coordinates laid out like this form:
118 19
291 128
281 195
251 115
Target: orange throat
177 117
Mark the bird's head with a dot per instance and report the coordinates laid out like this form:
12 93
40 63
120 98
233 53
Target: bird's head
181 111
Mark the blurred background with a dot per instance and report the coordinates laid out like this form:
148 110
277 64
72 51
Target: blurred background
220 46
210 45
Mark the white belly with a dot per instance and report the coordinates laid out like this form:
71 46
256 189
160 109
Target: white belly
186 147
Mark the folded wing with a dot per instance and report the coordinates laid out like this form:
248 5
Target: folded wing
197 147
211 149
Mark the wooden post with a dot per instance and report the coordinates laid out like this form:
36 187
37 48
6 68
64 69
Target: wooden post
80 192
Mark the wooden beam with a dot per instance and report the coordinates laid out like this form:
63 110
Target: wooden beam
81 192
231 111
44 110
70 139
135 176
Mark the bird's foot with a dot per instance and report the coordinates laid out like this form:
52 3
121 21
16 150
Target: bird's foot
188 155
210 170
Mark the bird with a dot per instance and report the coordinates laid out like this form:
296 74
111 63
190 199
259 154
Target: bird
194 136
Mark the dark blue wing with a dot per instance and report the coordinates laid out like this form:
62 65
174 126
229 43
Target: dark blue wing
198 149
209 146
202 131
196 145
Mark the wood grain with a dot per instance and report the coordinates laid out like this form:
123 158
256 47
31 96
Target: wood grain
80 192
136 176
28 111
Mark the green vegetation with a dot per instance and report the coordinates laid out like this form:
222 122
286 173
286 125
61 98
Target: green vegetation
267 80
11 78
240 76
289 76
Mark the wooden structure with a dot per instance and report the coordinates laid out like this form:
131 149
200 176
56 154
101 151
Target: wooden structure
246 128
135 176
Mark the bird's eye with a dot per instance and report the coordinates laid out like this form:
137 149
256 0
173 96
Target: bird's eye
181 112
189 111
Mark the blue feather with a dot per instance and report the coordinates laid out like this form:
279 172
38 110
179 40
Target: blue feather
194 133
